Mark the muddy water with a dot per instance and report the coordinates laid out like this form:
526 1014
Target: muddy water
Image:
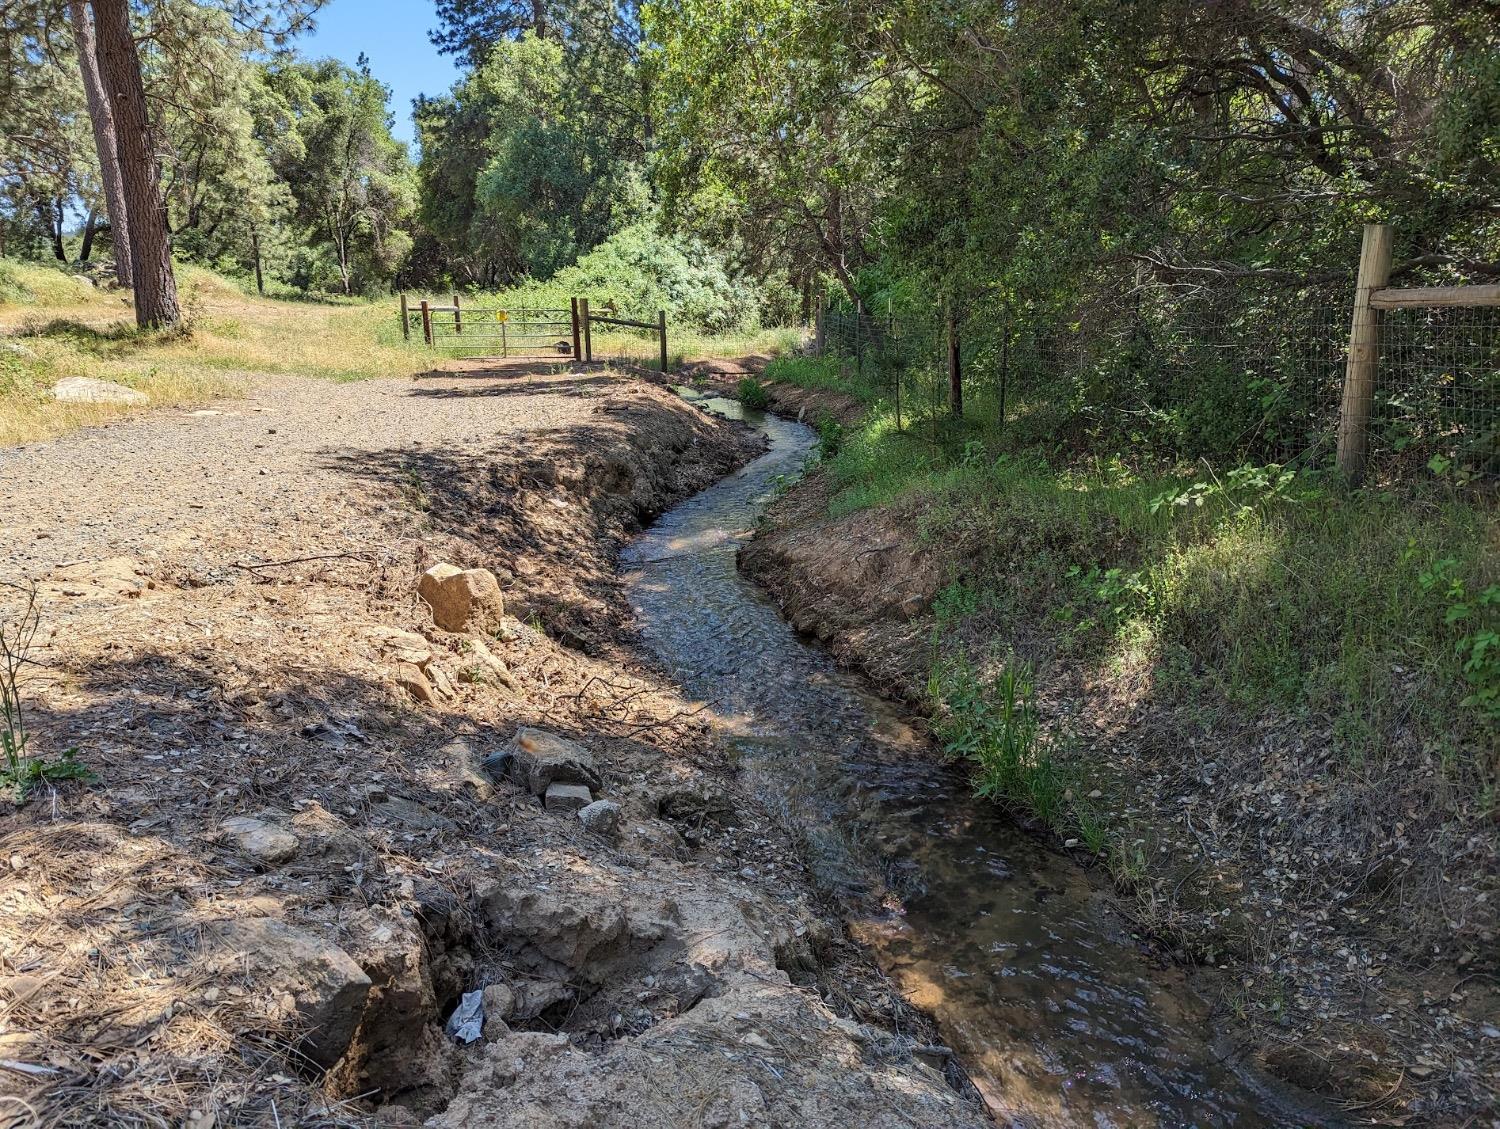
1055 1013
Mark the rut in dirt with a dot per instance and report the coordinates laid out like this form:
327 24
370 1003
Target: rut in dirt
1055 1011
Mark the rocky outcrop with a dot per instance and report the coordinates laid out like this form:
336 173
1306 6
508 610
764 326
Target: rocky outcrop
316 986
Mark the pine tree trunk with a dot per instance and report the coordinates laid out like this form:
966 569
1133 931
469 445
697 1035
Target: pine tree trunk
47 211
89 227
103 120
151 251
260 279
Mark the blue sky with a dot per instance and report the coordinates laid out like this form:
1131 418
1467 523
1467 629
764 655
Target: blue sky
393 33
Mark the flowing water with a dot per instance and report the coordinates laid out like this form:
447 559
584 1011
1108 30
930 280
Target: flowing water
1056 1014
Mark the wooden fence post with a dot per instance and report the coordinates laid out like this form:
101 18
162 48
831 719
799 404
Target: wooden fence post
405 319
661 329
577 334
458 317
1364 353
820 331
588 331
955 372
426 322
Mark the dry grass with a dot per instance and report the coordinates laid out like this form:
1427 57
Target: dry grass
231 335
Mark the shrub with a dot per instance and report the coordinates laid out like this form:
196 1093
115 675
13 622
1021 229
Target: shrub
643 271
753 393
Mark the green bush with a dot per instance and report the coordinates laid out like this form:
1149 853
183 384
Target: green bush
753 393
642 272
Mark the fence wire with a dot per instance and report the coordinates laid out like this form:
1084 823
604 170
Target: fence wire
1249 371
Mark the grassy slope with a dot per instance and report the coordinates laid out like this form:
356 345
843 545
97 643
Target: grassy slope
1246 691
67 329
1266 590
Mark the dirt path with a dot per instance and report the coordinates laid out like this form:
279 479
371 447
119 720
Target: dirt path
230 631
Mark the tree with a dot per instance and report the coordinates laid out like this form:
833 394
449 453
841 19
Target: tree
156 301
350 179
470 29
101 116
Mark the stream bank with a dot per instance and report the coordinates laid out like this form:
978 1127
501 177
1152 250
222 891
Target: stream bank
295 857
1244 826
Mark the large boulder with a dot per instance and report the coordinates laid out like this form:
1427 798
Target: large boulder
461 598
319 984
87 390
537 759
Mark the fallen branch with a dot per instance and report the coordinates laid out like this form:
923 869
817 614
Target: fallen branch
300 560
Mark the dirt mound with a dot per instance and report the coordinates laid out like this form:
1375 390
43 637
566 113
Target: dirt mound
235 671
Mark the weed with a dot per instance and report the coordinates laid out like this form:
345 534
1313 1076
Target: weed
20 772
753 394
830 437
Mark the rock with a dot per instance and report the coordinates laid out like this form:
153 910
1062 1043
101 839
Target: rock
461 598
326 988
259 839
439 679
602 817
411 679
16 349
457 767
87 390
567 797
536 759
407 813
499 1005
492 664
400 1040
535 997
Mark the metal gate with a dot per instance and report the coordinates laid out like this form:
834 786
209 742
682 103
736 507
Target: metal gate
493 331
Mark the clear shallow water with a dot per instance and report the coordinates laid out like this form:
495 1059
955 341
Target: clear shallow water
1056 1014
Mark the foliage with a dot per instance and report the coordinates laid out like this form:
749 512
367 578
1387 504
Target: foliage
753 394
348 177
537 155
1476 619
20 771
643 271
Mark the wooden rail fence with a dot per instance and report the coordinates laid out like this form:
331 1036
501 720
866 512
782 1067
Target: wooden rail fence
1372 295
528 331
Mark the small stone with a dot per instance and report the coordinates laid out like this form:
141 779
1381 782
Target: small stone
460 598
1070 843
259 839
567 797
602 817
411 679
499 1005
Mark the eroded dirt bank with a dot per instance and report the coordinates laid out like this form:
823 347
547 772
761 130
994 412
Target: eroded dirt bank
1363 971
302 849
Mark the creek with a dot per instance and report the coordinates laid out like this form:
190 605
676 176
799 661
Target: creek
1056 1012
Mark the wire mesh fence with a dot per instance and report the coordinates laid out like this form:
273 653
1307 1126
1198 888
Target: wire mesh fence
1251 370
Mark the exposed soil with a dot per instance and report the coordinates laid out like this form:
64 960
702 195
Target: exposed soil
230 628
1360 969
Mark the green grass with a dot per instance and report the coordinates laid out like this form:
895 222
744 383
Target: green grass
1232 589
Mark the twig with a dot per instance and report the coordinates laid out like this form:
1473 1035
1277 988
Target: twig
300 560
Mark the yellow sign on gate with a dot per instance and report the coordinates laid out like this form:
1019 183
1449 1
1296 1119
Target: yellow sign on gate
502 316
